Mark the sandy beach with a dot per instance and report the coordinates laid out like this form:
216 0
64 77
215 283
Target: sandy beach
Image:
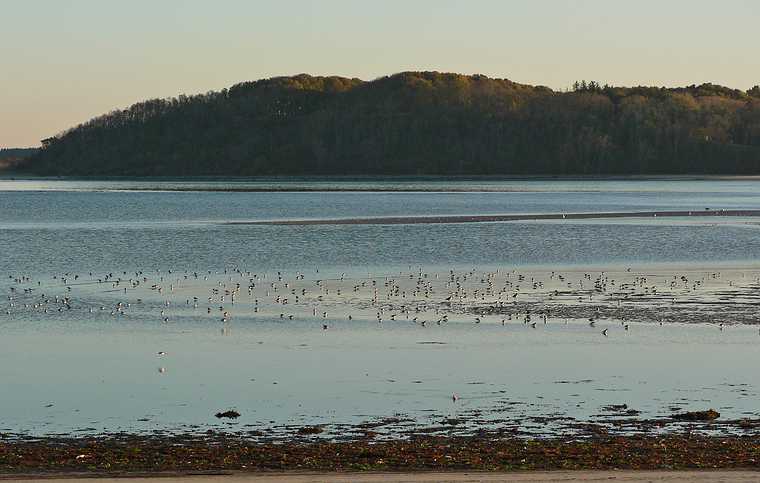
738 476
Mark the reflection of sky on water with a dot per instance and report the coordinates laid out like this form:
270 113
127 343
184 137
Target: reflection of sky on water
121 209
211 247
104 375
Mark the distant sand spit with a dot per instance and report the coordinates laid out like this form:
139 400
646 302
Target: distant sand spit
409 220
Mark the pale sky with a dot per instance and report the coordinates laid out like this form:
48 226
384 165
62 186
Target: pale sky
65 61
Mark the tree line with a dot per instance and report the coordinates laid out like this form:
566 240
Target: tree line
417 123
11 158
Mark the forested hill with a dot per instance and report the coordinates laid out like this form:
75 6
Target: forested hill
418 123
10 158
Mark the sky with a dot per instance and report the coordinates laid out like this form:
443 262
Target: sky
63 62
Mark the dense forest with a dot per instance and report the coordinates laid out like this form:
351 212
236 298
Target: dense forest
11 158
418 123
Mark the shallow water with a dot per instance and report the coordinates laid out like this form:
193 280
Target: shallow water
107 378
101 373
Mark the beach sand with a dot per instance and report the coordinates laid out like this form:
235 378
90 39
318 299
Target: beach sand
464 477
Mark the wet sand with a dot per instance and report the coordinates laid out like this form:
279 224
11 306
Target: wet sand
458 477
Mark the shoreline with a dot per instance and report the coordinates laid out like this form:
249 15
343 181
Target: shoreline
352 183
130 455
21 175
672 476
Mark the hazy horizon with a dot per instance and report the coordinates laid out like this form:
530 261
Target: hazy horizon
66 62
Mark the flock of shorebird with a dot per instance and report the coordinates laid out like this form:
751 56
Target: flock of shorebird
414 295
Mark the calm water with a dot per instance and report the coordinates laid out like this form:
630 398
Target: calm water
60 373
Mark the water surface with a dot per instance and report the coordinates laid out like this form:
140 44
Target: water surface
61 373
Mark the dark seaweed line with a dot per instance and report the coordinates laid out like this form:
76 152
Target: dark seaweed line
135 455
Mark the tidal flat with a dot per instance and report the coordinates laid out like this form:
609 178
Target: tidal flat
531 353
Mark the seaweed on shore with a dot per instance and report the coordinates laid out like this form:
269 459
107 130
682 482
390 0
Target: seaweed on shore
231 414
708 415
129 454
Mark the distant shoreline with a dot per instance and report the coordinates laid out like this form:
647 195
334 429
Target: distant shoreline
416 122
432 184
23 176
